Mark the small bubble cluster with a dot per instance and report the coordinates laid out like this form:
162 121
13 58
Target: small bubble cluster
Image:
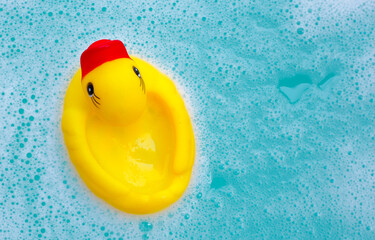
280 93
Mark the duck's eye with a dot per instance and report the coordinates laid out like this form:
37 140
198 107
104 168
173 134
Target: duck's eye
136 71
90 89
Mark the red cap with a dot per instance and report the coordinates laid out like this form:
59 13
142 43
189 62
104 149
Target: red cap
100 52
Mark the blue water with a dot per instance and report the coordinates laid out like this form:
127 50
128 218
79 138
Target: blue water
281 95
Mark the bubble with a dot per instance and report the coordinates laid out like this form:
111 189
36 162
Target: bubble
145 226
294 87
300 31
199 195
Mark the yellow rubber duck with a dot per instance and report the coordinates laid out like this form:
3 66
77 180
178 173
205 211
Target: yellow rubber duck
127 130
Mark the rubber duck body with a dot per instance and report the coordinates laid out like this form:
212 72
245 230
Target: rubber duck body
127 130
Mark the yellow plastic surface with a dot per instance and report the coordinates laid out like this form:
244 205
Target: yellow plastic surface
134 146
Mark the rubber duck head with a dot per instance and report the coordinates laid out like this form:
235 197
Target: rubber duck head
112 82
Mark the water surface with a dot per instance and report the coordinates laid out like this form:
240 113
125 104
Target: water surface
281 95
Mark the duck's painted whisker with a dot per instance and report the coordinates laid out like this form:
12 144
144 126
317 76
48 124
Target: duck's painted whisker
96 96
96 101
142 84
